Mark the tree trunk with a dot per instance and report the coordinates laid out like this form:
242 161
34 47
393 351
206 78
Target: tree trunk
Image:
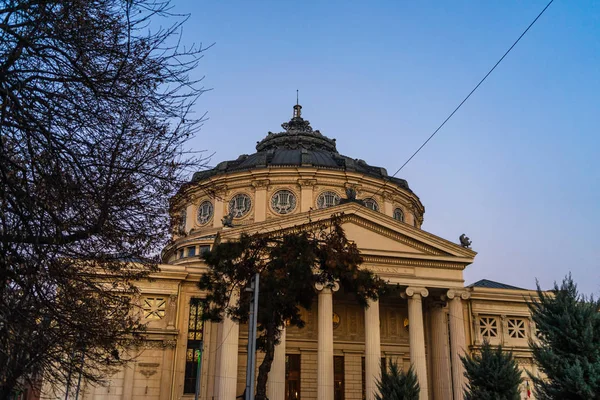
265 366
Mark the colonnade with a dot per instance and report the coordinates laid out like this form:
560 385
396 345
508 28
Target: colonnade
447 369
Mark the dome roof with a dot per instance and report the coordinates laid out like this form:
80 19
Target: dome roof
297 145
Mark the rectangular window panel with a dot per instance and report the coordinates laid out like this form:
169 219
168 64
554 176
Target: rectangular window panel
338 378
516 328
204 249
194 342
488 327
292 376
191 251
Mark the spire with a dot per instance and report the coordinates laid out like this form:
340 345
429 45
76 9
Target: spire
297 108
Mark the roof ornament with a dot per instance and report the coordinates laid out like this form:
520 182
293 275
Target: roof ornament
465 241
297 108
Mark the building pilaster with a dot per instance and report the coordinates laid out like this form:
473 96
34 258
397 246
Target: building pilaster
325 344
416 333
372 349
227 373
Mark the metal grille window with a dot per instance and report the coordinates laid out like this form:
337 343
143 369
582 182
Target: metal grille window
205 212
283 202
240 205
328 199
398 215
194 345
154 308
372 204
516 328
488 327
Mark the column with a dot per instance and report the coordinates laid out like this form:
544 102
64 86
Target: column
325 337
276 382
228 360
219 201
416 334
457 339
372 349
440 353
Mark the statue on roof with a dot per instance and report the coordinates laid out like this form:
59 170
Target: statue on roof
465 241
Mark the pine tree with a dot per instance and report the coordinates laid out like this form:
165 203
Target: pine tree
567 351
493 374
395 384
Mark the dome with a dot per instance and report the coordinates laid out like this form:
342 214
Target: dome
298 145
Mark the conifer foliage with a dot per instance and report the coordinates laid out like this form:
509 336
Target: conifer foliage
493 374
567 351
290 264
395 384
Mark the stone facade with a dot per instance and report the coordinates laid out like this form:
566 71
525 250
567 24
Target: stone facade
428 320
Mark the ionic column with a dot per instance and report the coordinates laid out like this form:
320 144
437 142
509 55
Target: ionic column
440 353
325 345
260 199
416 334
228 364
458 339
276 382
372 349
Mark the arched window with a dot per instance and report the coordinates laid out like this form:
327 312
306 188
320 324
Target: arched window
372 204
398 215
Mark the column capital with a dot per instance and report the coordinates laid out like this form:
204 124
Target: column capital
458 294
411 291
333 286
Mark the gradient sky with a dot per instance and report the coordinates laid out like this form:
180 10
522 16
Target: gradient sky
516 169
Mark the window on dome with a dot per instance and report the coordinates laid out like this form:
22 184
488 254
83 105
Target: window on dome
372 204
398 215
205 212
283 202
240 205
328 199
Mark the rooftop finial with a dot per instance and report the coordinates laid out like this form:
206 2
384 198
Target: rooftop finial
297 107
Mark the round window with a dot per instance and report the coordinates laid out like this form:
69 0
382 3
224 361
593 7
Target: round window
328 199
240 205
398 215
205 212
283 202
372 204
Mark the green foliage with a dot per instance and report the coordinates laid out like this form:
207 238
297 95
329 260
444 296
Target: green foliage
290 264
395 384
493 374
567 351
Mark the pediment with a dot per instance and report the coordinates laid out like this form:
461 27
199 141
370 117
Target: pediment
378 236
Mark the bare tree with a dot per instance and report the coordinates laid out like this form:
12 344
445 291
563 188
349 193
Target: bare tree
95 107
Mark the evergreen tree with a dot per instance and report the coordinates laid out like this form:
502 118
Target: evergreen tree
567 351
395 384
493 374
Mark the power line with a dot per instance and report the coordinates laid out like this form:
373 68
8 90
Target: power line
472 91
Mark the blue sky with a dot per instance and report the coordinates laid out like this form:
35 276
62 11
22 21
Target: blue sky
516 169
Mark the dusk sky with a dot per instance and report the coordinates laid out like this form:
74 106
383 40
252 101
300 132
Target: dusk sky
516 169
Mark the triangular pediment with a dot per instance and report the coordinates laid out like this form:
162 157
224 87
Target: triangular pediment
376 235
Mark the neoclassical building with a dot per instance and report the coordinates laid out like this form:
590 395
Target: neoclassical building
296 178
